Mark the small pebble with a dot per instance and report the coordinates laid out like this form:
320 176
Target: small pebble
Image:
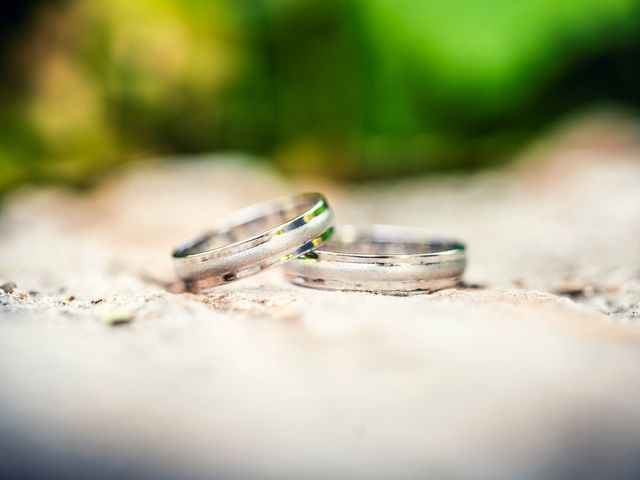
8 287
117 317
573 288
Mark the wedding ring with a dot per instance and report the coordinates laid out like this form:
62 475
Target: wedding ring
380 258
253 239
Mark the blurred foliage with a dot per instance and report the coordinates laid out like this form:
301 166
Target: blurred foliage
353 89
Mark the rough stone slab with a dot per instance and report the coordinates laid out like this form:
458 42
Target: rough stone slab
530 370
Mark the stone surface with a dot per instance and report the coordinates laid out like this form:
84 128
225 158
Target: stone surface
529 370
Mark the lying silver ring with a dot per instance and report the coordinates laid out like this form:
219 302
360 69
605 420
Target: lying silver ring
380 258
253 239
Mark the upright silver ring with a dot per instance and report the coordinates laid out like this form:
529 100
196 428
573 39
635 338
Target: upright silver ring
253 239
380 258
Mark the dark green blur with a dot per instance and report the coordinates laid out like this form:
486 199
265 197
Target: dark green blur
351 89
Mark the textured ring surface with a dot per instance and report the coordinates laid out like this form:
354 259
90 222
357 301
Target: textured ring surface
253 239
380 258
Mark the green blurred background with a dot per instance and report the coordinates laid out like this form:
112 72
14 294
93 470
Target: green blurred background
354 89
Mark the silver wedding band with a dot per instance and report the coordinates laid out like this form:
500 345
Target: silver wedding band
296 230
380 258
254 239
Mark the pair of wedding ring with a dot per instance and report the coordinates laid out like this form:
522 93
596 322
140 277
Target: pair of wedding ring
298 232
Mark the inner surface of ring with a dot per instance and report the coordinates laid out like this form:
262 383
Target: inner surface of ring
244 226
371 246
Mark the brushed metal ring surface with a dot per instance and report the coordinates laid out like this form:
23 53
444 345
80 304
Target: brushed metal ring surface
380 258
254 239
